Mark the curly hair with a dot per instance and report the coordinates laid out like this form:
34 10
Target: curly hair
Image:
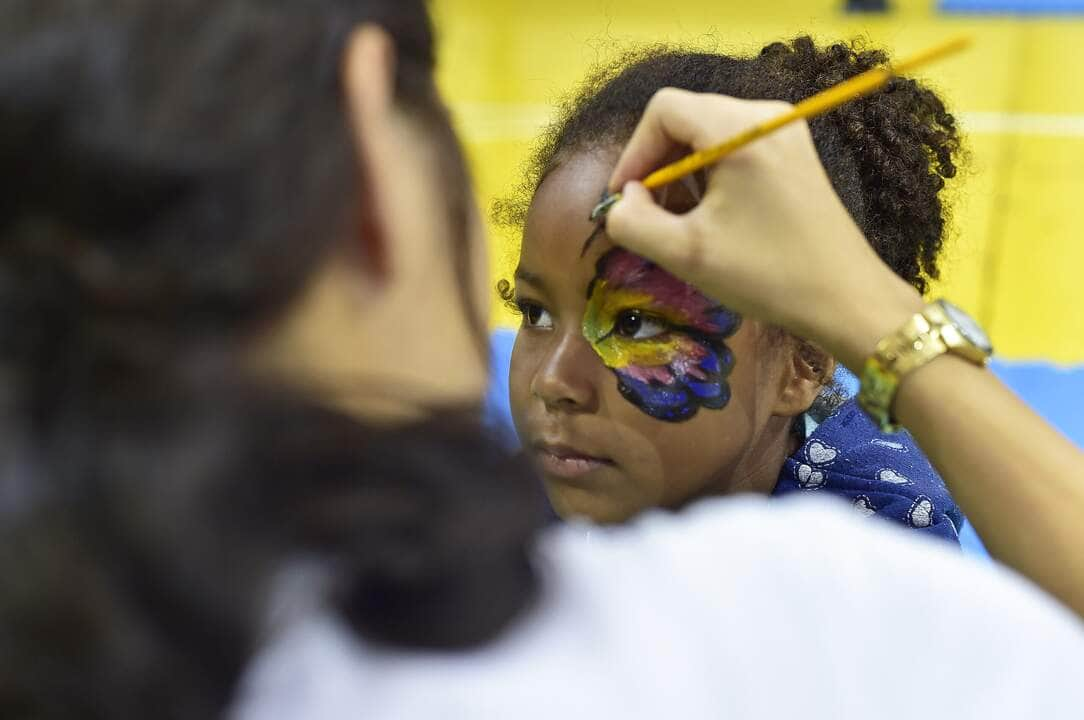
888 155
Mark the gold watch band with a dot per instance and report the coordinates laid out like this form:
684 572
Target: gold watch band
901 353
926 336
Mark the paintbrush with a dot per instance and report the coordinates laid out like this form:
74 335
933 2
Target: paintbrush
859 86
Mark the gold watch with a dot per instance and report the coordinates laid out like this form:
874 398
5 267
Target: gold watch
940 328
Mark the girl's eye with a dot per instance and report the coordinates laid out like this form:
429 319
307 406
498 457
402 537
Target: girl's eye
535 316
636 325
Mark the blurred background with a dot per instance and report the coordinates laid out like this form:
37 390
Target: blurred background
1014 257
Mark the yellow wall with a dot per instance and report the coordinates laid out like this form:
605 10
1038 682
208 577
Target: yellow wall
1014 259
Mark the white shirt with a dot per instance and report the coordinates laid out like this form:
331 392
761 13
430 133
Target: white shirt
735 608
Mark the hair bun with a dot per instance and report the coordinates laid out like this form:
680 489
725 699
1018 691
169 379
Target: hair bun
888 154
423 562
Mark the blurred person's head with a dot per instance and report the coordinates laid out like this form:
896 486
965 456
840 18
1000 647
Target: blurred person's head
630 388
241 315
238 168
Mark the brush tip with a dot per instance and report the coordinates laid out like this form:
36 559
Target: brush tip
607 201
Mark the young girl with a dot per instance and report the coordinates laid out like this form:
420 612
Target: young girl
631 389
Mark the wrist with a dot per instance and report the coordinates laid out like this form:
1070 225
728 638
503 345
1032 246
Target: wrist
941 328
867 315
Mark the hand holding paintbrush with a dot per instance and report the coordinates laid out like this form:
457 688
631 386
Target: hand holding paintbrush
756 239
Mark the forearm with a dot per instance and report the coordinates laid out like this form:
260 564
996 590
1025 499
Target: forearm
1016 478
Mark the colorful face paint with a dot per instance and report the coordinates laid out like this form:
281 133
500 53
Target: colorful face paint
662 338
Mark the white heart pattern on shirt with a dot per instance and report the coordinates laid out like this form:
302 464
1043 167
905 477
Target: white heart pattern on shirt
921 513
891 476
821 454
809 478
863 506
898 447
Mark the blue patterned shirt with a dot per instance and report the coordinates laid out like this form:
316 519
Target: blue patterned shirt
880 475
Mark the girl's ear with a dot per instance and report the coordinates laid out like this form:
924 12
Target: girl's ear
808 369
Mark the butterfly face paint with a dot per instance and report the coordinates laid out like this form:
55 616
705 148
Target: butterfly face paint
662 338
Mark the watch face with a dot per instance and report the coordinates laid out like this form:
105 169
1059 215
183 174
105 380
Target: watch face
967 327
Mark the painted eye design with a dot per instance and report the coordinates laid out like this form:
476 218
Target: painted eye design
535 316
637 325
669 361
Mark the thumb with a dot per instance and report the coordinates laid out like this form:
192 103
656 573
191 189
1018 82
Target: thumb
638 224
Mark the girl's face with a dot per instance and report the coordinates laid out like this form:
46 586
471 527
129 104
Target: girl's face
629 388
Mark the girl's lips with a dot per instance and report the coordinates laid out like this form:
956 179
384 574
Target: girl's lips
565 462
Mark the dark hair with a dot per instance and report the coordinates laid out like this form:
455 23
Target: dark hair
175 173
887 155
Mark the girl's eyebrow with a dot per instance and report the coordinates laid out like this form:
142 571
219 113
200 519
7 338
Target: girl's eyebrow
529 277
